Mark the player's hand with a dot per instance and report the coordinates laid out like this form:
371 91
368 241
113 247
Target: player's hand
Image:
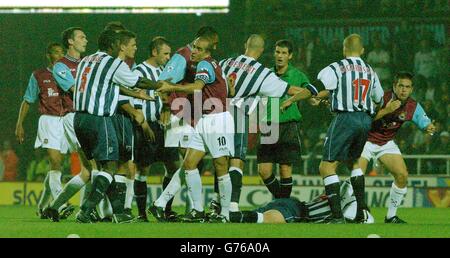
393 105
164 118
165 87
143 95
314 101
431 128
148 132
287 103
20 134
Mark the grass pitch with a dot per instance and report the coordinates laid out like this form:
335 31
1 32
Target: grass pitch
21 221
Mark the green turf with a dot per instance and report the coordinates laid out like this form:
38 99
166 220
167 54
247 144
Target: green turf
20 221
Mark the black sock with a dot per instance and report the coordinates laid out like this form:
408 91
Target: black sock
285 187
358 185
236 182
99 188
332 191
200 166
273 185
166 182
140 193
216 184
244 217
116 194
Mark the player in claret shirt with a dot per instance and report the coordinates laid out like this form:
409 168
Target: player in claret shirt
398 108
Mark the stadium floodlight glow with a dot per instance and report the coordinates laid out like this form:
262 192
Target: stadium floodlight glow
115 6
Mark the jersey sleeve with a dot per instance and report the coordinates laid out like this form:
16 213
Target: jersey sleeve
420 118
273 86
124 76
377 91
328 77
32 92
174 69
63 76
205 72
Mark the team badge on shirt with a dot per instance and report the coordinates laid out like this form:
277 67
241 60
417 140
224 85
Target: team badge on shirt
62 73
402 116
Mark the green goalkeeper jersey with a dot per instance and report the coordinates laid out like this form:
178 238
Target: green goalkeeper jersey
292 76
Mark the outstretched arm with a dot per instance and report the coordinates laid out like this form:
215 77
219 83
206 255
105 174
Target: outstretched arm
20 133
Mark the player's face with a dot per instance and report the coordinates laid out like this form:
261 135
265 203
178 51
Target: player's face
403 89
130 48
163 55
56 53
79 41
200 50
282 56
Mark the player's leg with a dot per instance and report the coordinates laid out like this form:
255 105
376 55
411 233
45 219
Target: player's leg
236 173
268 177
327 170
396 165
140 190
193 179
285 180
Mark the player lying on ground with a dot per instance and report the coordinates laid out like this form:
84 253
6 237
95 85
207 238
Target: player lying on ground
291 210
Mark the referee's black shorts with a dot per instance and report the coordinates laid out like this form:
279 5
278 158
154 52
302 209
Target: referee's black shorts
346 136
287 150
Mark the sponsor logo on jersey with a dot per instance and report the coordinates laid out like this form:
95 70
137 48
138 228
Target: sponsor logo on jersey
51 93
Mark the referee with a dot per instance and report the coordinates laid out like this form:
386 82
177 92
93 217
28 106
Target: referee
286 151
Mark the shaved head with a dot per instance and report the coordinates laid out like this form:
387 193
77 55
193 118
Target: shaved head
353 45
255 42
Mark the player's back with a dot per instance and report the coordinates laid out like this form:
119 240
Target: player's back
354 85
95 91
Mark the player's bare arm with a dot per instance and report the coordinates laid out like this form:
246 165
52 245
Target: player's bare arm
148 132
140 94
134 113
187 88
145 83
20 132
391 106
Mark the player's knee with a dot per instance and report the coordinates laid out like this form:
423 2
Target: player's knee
189 165
401 178
221 165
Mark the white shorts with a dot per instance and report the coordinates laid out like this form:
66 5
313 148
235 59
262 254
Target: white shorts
178 135
216 133
50 134
374 151
71 142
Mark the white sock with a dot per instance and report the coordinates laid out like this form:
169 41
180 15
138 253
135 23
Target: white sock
130 193
54 180
260 218
70 189
104 208
395 200
234 207
357 172
194 183
45 195
171 189
225 194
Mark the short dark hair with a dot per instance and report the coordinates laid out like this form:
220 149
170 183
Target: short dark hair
106 40
124 36
52 45
206 31
285 43
67 34
114 25
157 43
403 75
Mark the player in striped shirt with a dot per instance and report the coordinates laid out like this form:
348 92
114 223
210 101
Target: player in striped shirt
249 79
398 108
150 136
354 90
99 79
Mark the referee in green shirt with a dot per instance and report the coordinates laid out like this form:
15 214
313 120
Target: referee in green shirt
286 151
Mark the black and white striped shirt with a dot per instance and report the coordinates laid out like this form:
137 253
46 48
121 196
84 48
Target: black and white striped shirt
97 83
354 86
151 109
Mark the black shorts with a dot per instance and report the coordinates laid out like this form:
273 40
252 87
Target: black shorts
293 210
125 135
147 153
97 136
346 136
287 150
